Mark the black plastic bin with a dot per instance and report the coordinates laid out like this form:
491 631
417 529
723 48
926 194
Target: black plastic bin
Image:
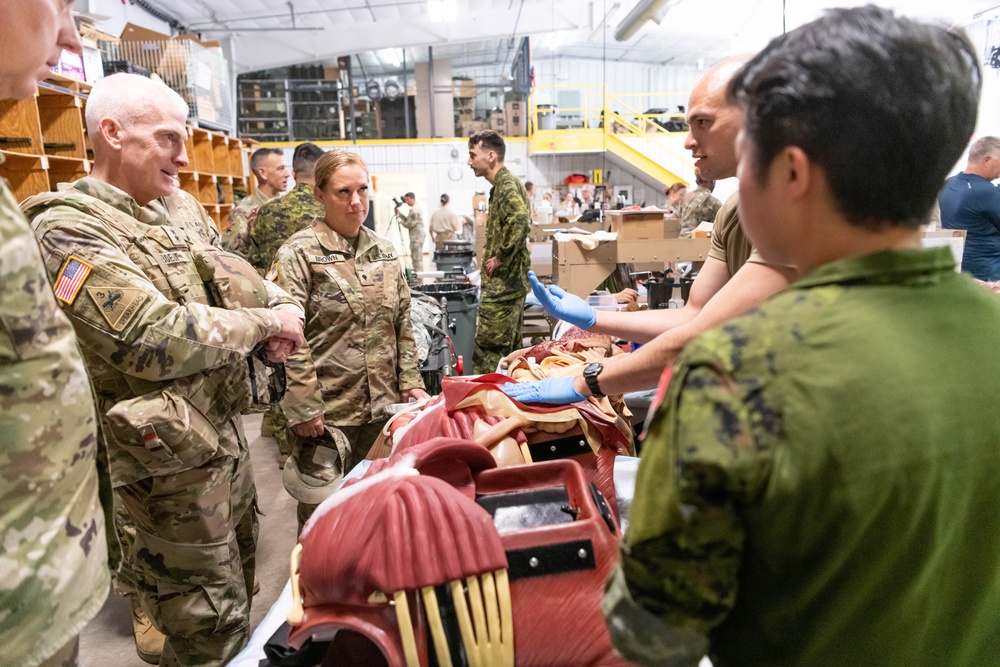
462 304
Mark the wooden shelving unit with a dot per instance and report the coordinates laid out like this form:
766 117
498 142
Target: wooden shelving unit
44 142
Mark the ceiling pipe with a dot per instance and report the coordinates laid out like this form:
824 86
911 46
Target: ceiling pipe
645 10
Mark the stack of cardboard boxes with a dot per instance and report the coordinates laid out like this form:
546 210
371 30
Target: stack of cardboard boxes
512 121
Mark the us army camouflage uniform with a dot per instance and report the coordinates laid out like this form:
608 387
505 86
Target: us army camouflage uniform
697 206
278 219
236 237
185 212
53 558
359 354
170 374
414 223
501 312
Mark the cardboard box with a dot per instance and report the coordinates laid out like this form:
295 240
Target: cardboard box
671 228
517 119
498 122
470 127
631 225
464 87
464 117
331 73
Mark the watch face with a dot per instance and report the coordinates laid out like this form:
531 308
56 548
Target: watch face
592 368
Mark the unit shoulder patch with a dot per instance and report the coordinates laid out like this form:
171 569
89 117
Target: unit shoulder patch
118 305
273 273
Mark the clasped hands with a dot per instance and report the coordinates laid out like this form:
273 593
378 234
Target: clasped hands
287 341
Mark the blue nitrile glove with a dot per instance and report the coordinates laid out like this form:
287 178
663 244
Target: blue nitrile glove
562 304
558 391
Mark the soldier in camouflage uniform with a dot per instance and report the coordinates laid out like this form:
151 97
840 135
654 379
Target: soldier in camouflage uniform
819 485
268 167
698 206
275 222
359 355
280 218
505 269
169 365
414 223
53 557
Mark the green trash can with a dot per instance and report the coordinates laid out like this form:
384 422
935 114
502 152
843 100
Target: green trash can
462 304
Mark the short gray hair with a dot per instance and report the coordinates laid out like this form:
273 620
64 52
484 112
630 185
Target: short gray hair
126 98
984 147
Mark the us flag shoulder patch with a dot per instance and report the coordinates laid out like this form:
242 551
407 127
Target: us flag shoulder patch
71 278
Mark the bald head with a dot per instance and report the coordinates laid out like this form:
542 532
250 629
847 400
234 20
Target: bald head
714 121
137 129
128 97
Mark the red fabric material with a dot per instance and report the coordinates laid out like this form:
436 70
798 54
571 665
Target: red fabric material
417 531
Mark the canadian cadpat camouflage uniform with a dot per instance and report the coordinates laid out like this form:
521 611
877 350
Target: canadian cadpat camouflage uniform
359 354
169 368
185 212
278 219
414 223
697 206
501 312
236 237
819 479
53 562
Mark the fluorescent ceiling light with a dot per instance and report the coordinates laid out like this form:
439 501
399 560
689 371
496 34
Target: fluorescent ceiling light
442 11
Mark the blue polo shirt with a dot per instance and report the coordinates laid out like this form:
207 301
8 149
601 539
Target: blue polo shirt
972 203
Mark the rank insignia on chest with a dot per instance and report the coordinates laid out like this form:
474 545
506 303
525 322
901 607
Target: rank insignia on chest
118 305
71 279
175 236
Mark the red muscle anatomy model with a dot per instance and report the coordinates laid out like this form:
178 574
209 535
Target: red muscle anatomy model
484 539
445 559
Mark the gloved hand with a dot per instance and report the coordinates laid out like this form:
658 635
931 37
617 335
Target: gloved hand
558 391
562 304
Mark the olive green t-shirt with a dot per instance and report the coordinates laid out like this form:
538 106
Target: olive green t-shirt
729 243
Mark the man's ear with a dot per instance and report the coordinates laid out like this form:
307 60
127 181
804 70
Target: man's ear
794 167
111 131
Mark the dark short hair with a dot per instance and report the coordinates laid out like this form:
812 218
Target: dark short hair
491 141
445 199
528 185
883 104
258 156
304 158
410 194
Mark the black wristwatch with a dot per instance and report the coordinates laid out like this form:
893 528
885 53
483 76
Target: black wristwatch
590 374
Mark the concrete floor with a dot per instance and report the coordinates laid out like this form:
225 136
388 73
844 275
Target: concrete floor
107 641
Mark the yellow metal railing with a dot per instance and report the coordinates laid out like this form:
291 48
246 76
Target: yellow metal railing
609 122
614 113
